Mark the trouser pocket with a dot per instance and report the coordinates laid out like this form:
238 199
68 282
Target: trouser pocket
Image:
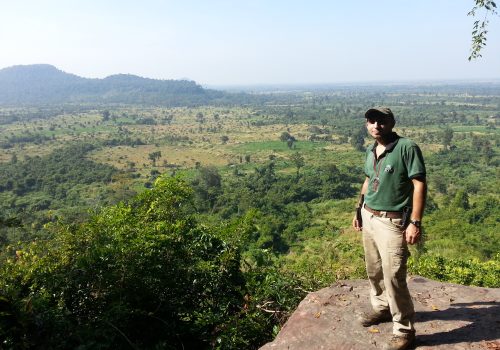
397 223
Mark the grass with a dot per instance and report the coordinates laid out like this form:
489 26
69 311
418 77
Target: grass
334 213
279 146
474 128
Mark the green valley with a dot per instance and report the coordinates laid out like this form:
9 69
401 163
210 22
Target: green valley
202 225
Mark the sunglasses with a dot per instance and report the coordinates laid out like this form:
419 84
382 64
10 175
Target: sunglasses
380 121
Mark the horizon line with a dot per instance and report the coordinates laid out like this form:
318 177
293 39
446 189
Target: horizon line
295 85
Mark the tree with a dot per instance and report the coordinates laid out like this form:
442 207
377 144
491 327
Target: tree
289 139
285 136
224 139
488 152
447 137
138 275
208 186
298 160
461 200
358 139
440 183
479 28
200 118
105 115
154 156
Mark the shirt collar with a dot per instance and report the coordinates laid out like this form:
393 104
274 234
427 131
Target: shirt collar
389 147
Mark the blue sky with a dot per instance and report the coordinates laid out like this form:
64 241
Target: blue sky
223 42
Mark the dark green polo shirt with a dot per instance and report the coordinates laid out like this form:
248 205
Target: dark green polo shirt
401 162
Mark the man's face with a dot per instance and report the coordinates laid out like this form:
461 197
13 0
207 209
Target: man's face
380 127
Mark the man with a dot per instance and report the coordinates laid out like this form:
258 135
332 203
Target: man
394 187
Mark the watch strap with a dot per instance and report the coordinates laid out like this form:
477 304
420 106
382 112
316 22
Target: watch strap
417 223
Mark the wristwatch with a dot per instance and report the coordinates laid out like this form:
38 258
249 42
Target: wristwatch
417 223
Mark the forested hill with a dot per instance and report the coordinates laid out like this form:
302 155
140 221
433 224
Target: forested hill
45 84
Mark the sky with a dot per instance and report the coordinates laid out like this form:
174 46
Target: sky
232 42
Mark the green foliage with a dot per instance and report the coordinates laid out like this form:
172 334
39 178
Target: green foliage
145 275
65 180
272 293
154 156
463 168
37 139
455 232
254 236
54 174
465 221
207 186
270 192
298 161
479 29
141 274
461 200
324 260
447 137
285 136
358 139
462 271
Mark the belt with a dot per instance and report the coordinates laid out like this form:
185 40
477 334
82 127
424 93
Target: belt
385 214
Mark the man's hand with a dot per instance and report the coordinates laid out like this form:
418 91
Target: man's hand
356 224
357 221
412 234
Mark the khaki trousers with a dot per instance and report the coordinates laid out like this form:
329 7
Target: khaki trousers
386 255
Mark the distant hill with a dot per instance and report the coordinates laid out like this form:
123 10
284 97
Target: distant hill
45 84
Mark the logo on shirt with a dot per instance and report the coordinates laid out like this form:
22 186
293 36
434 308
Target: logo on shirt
389 169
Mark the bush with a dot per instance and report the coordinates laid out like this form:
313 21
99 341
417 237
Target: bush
462 271
144 274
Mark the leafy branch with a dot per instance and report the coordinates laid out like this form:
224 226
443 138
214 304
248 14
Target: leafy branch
479 29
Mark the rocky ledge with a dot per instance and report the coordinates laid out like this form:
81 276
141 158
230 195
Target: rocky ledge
449 316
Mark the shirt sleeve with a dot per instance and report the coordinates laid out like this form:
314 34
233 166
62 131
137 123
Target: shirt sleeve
415 162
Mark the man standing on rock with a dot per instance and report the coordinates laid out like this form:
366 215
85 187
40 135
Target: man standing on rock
389 213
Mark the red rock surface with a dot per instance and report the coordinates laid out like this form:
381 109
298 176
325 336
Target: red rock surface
449 316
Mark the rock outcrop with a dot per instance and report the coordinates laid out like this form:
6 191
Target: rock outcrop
448 316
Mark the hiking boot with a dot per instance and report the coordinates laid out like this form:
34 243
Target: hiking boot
374 317
400 342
